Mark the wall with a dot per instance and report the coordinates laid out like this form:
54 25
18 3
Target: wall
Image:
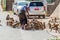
56 13
9 5
51 8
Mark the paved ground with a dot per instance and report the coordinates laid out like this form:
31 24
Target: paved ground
8 33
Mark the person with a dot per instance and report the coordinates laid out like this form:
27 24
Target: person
22 15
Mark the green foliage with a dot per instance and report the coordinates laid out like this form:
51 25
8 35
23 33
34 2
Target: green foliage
4 8
50 1
4 5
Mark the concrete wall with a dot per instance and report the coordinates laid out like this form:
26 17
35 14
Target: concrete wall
51 8
56 13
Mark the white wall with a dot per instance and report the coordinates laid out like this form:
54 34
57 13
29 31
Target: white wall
56 13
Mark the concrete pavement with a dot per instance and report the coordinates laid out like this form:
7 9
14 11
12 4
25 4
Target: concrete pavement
8 33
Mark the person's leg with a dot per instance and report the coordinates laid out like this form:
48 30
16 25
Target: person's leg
22 26
23 20
22 23
26 21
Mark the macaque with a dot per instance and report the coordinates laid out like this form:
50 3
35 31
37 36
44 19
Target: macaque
7 18
56 27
